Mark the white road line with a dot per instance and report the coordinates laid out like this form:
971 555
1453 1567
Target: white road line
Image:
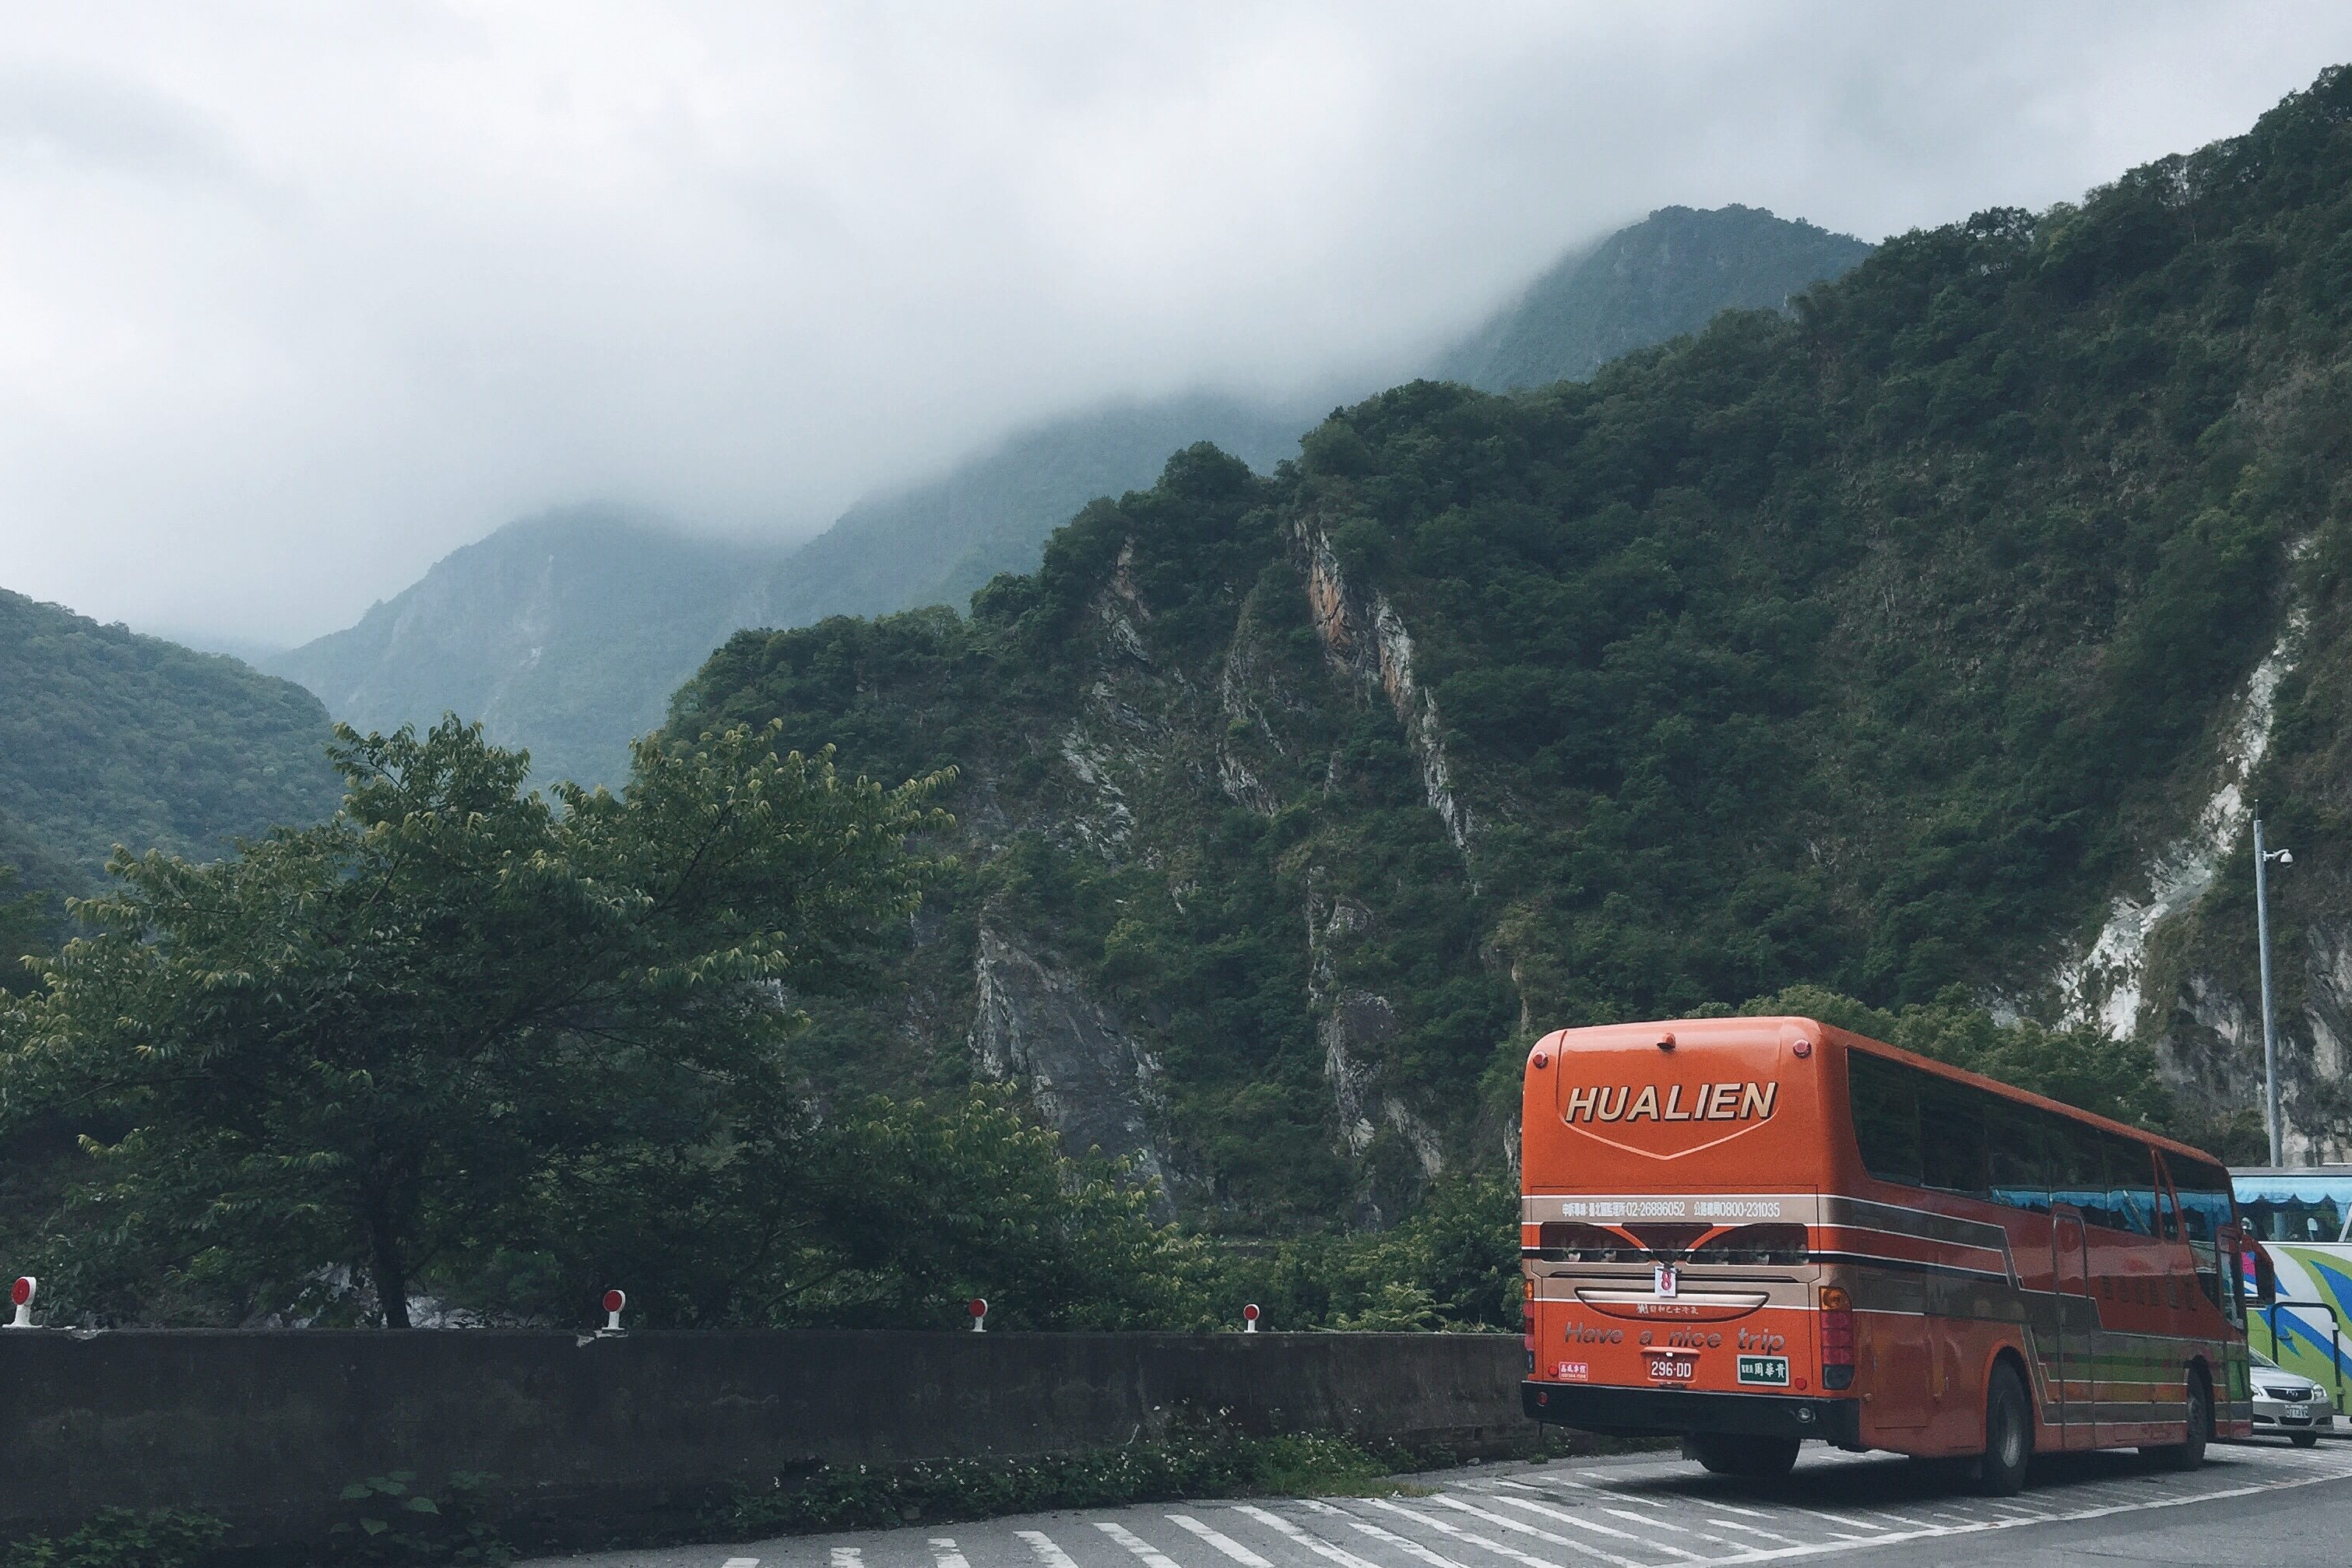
1222 1541
1526 1529
2026 1509
1050 1555
1653 1521
1315 1543
1841 1519
741 1563
2148 1505
1649 1519
853 1557
1583 1523
1555 1480
1411 1548
1527 1560
944 1553
1752 1529
1734 1507
1151 1556
1902 1520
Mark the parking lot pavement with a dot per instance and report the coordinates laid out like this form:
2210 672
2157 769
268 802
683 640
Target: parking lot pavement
2252 1505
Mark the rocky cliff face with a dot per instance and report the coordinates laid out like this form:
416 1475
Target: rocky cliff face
1084 1071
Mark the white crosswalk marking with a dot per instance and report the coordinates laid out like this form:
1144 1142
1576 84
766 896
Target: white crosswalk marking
1649 1522
1852 1524
1051 1555
1594 1525
1735 1508
1411 1548
1150 1556
1220 1540
1645 1516
1485 1544
1901 1521
1315 1544
1754 1530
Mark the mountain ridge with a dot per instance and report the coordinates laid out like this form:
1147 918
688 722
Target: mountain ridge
111 737
942 540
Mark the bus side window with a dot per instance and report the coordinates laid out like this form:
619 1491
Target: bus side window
1952 1134
2131 1185
2168 1206
2020 1173
1885 1116
2080 1176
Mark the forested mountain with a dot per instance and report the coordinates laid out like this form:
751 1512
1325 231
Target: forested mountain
563 632
1928 644
107 737
937 543
568 633
1665 275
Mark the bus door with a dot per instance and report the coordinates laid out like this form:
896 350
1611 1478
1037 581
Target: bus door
2069 1267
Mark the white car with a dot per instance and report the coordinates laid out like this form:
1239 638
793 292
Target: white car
2289 1402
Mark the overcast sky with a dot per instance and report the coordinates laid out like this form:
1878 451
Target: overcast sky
295 299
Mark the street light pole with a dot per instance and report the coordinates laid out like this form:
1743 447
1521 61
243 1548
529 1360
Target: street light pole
2263 857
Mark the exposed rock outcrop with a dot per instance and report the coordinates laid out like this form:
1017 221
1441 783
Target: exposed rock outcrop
2104 986
1368 637
1036 1026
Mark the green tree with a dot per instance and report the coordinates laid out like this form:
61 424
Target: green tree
22 930
379 1041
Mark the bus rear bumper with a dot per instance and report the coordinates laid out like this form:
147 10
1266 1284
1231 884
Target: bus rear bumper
1676 1412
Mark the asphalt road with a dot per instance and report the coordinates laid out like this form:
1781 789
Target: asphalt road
2258 1505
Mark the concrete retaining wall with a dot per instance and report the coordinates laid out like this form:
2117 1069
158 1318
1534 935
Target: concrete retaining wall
593 1439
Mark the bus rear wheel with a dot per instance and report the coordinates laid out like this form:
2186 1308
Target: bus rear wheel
2188 1454
1752 1459
2009 1434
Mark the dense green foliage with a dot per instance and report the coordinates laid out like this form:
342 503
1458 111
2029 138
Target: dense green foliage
119 1538
25 931
1668 275
1871 648
1190 1464
109 738
453 1021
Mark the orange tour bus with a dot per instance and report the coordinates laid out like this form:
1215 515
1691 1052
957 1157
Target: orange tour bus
1748 1232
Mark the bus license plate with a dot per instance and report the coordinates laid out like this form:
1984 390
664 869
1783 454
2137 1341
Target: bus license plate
1671 1369
1767 1369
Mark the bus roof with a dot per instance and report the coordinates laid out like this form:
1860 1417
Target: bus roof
1759 1029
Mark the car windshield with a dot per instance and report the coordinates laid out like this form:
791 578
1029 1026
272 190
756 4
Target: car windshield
2259 1359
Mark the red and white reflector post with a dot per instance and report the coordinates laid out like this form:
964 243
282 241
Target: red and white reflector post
979 1310
613 1301
20 1295
1249 1318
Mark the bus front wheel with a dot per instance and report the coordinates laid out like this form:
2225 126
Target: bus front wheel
2009 1434
1754 1459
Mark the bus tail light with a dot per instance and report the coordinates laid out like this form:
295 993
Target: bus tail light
1837 1338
